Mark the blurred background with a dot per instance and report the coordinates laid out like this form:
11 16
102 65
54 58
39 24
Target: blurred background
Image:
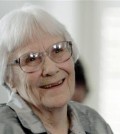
95 27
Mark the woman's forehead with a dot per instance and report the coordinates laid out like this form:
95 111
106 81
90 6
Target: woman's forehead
38 45
48 40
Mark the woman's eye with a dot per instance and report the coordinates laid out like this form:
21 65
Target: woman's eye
58 50
29 60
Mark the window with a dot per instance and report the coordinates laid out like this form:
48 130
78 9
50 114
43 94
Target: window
110 68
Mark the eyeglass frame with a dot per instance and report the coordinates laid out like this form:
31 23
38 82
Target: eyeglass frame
17 61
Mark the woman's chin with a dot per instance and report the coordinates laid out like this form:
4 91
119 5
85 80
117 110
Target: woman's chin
56 103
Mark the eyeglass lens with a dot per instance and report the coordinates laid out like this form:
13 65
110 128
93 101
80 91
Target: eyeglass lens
58 53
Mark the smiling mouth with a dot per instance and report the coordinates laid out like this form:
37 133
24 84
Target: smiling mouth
53 84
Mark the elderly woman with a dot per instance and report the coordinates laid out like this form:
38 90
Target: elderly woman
37 58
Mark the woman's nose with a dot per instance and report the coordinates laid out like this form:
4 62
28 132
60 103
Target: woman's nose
49 67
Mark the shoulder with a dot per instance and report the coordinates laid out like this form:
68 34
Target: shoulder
6 112
84 110
90 118
9 123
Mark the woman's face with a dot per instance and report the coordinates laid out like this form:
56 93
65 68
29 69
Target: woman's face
52 85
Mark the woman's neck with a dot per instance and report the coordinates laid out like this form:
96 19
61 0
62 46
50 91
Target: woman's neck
54 120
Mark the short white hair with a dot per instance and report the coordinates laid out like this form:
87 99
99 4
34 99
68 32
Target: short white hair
23 25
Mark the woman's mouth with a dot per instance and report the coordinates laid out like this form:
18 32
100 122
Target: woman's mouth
53 84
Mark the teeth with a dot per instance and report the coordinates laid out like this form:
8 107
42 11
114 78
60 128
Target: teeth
52 85
49 86
60 82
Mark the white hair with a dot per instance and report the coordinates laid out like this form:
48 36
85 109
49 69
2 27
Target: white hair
24 25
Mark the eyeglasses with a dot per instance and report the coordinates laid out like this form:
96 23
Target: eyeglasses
58 52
